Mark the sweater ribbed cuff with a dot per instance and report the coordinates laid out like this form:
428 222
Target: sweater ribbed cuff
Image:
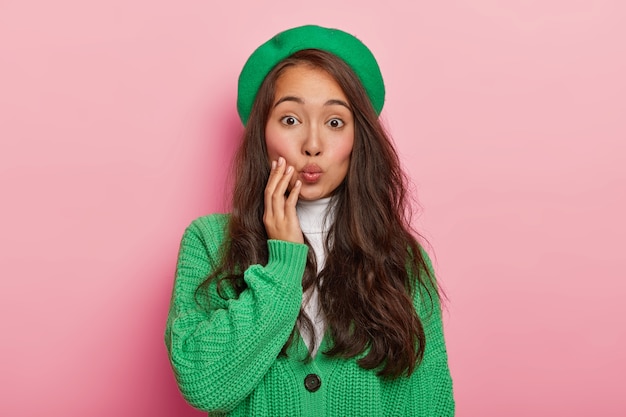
286 259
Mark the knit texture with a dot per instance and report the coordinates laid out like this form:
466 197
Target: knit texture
226 360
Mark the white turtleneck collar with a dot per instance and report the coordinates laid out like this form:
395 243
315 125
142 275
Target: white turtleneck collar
312 215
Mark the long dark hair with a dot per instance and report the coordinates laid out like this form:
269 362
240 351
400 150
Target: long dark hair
374 264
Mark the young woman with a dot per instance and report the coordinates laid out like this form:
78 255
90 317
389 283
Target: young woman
313 296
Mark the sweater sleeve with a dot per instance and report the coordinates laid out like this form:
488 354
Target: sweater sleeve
220 354
434 367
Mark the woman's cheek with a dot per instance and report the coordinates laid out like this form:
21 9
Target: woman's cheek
275 147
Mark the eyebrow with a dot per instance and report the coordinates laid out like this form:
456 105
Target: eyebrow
289 98
331 102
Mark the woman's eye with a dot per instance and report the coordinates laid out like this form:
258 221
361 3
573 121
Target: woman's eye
289 121
335 123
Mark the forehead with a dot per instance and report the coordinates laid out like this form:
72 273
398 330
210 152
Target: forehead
303 80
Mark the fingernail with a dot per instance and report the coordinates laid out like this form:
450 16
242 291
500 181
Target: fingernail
289 169
273 164
281 161
298 183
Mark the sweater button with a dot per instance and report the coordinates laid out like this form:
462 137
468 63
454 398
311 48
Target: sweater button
312 382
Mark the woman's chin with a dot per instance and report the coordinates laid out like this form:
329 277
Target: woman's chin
311 195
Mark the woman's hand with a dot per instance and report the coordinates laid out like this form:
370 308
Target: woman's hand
280 218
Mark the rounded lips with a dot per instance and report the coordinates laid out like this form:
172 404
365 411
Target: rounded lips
311 173
312 169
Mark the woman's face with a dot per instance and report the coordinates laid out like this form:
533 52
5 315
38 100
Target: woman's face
312 127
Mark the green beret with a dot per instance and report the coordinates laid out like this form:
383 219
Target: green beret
286 43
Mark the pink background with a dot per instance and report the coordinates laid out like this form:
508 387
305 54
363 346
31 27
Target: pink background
117 123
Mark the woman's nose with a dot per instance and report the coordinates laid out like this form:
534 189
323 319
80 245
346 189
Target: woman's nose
312 145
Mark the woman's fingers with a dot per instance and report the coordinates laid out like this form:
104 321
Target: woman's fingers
292 200
278 197
280 217
276 174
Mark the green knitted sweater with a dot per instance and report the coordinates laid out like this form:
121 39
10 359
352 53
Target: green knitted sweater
226 360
